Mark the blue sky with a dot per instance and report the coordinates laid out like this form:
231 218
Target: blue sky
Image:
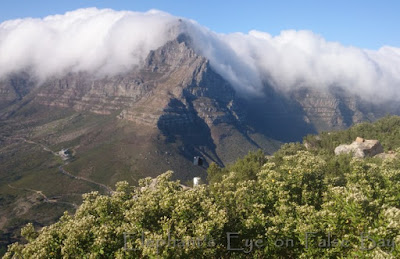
363 23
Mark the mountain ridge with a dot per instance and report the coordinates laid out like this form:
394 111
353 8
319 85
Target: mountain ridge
141 123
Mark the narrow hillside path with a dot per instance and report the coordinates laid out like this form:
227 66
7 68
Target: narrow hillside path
45 198
61 167
63 171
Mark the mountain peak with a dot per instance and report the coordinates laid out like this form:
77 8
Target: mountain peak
174 54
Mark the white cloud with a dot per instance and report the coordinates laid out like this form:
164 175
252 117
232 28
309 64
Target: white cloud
301 58
110 41
87 39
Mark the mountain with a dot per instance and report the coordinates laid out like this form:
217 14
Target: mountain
124 127
156 117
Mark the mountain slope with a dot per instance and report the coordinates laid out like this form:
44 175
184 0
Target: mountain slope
156 117
125 127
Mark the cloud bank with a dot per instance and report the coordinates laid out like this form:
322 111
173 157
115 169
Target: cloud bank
110 42
90 40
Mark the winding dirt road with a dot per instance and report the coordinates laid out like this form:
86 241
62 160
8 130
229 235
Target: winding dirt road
61 170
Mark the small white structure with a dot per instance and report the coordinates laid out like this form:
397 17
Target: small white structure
196 181
64 153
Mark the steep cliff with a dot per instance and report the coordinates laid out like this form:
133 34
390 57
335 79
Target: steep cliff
176 93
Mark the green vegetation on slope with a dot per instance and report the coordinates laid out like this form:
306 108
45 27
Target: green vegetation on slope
297 204
386 130
245 168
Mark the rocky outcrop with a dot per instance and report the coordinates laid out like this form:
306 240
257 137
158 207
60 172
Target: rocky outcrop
361 148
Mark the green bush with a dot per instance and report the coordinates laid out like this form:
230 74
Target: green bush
245 168
297 204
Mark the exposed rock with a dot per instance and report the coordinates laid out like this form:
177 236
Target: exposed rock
336 108
388 155
361 148
328 109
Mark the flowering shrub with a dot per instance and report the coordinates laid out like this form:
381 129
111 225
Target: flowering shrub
292 209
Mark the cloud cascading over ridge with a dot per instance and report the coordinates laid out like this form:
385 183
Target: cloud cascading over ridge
83 40
110 42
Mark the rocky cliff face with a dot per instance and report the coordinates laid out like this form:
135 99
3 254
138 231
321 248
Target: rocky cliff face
330 109
335 108
172 74
177 92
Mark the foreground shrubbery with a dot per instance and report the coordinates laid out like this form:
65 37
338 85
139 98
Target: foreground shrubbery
295 204
293 208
